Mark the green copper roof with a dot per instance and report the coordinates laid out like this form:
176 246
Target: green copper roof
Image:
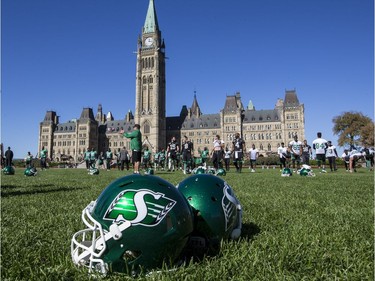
151 22
250 106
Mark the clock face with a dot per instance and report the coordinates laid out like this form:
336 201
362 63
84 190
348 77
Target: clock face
149 41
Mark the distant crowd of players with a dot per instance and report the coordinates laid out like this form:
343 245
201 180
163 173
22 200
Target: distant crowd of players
178 156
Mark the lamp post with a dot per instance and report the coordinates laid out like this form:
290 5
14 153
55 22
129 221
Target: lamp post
242 118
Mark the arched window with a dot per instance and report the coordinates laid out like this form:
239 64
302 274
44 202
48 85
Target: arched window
146 128
269 147
144 80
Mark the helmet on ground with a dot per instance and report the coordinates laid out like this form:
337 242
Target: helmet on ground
221 172
149 171
138 222
306 172
217 212
211 171
199 170
286 172
93 171
30 171
8 170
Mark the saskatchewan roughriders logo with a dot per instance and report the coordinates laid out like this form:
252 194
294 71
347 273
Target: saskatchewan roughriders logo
139 207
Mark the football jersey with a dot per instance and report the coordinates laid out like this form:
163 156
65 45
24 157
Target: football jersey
187 147
253 153
331 151
296 146
320 146
281 150
238 144
172 146
146 154
227 154
218 144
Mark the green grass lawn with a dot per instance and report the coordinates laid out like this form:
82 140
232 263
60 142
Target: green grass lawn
296 228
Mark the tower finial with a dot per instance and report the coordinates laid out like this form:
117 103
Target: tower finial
151 22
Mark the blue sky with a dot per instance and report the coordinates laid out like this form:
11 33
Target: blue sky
64 55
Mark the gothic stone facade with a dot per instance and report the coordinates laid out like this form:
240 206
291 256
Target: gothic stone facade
264 128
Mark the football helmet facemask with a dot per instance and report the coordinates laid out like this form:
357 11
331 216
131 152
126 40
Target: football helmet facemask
217 211
137 223
31 171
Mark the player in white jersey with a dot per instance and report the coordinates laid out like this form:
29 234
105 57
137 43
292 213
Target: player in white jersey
253 155
296 149
345 157
320 146
331 155
217 152
354 156
281 150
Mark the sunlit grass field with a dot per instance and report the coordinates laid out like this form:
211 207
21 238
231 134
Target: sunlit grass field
296 228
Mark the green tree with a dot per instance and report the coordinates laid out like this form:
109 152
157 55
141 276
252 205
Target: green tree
351 128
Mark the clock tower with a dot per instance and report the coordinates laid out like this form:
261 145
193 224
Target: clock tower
150 98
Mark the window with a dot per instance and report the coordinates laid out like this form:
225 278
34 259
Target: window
146 128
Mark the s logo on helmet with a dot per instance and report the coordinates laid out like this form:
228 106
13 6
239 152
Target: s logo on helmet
139 207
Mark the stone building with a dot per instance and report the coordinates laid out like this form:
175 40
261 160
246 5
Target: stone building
264 128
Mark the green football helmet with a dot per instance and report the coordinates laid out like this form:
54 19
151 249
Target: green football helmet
30 171
306 172
137 223
211 171
93 171
217 212
199 170
286 172
8 170
149 171
221 172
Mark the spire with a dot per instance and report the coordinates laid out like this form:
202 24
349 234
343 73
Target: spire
195 110
151 22
250 105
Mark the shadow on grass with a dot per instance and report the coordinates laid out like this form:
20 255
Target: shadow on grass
249 230
8 186
34 192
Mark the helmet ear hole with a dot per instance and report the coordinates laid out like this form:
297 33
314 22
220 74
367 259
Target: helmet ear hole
131 255
189 198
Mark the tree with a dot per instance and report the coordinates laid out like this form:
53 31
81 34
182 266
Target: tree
353 128
367 134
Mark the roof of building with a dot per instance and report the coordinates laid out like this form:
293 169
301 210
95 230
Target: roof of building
208 121
68 127
233 103
258 116
195 109
291 99
174 123
114 126
151 22
87 114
